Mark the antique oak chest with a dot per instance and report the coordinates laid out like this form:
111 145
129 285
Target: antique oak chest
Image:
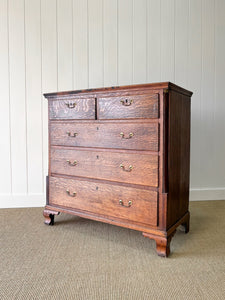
121 155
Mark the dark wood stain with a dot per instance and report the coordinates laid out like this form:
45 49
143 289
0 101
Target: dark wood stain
178 157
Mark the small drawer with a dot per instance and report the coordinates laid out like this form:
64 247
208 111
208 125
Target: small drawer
116 201
139 136
113 166
72 109
129 107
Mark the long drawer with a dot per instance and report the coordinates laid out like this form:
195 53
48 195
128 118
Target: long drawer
106 135
129 107
134 168
104 199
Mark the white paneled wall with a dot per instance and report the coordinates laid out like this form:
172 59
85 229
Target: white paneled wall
53 45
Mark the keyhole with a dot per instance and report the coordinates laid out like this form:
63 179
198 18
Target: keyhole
97 128
97 157
96 188
126 100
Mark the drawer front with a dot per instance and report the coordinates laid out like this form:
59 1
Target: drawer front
105 199
114 166
129 107
72 109
106 135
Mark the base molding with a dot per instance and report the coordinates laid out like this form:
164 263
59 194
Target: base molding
207 194
22 200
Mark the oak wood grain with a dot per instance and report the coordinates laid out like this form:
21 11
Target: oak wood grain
106 165
104 199
72 109
128 107
106 135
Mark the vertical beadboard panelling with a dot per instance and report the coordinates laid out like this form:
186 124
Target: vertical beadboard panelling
153 40
139 41
110 42
33 95
167 41
5 171
80 44
17 96
95 34
125 42
219 180
181 41
65 44
207 89
194 84
50 45
49 66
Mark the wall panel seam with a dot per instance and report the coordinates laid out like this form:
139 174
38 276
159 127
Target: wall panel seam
103 56
200 103
41 98
57 45
9 81
88 76
25 94
188 45
214 63
160 40
174 29
117 37
132 76
146 5
72 16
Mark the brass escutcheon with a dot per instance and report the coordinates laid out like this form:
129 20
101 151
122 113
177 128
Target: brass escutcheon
126 102
129 203
129 136
71 163
72 134
71 105
69 194
123 168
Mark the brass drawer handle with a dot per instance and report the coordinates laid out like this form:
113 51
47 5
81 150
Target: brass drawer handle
70 104
70 163
121 203
129 136
72 134
126 102
123 168
69 194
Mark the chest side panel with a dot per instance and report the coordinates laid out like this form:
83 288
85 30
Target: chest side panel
178 156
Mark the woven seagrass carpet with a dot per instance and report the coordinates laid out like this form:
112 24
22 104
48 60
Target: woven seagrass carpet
83 259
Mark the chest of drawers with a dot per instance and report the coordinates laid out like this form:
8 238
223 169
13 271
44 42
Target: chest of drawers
121 155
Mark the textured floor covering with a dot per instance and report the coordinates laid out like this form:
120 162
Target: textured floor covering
83 259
